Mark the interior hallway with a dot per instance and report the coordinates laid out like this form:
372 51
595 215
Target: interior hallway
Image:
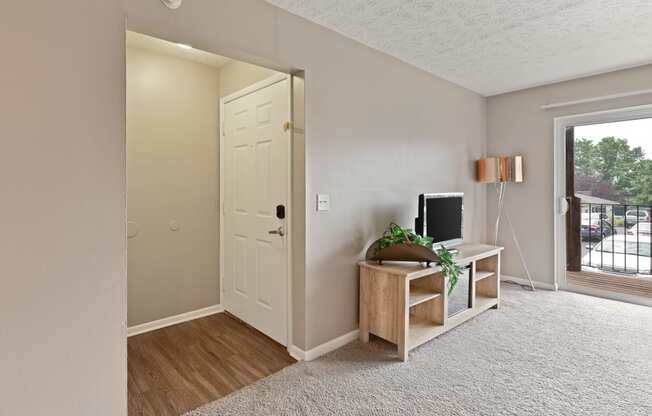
178 368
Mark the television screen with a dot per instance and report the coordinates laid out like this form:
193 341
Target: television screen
440 217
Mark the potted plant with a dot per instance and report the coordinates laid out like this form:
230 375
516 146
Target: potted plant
401 244
449 268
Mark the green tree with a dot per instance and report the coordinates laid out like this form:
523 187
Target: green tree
585 158
642 184
616 162
614 165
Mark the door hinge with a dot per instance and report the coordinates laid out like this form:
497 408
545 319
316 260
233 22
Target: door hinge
287 125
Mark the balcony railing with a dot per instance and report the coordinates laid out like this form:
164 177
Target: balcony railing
616 238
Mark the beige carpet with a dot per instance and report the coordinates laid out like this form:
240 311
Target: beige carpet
543 353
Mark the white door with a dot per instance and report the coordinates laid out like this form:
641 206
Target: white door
255 178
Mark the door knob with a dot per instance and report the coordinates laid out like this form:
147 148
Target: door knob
279 231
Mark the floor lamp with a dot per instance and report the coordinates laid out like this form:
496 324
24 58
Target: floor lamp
500 171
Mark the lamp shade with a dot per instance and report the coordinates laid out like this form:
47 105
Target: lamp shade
499 169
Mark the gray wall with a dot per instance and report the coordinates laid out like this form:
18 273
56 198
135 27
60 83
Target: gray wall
299 211
62 204
172 175
517 125
378 132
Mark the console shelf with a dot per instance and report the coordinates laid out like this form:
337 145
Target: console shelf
420 295
481 274
422 330
407 303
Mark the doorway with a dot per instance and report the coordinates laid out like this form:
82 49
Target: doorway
254 177
209 155
603 203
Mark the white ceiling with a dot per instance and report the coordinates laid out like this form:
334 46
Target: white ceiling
495 46
140 41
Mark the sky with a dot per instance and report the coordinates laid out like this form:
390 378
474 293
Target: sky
637 133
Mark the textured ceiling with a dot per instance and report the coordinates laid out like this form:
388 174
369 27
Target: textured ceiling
495 46
140 41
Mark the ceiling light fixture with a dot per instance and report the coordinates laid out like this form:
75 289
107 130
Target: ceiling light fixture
172 4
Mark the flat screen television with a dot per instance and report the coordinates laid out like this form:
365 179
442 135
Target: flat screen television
440 217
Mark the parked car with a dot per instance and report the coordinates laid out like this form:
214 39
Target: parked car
633 216
594 216
592 228
620 253
640 229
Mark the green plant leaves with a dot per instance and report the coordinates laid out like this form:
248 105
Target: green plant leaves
449 268
394 234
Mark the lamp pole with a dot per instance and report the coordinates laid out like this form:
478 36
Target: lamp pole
499 171
500 189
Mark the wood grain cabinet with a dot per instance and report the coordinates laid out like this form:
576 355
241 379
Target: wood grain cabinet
407 303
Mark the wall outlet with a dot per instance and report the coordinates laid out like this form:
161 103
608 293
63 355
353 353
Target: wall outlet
323 202
174 225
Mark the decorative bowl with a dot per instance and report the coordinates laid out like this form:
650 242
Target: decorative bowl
401 252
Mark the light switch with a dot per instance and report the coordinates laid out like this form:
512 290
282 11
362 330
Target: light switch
323 202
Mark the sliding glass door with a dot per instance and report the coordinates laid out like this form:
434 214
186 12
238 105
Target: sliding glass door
608 178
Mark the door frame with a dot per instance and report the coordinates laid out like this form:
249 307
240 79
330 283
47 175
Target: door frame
560 125
274 79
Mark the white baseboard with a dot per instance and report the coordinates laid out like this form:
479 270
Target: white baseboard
173 320
301 355
296 353
522 281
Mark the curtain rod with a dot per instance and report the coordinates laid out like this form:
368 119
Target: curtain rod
595 99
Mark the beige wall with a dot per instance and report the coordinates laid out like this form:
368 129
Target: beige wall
62 205
236 75
517 125
172 175
378 132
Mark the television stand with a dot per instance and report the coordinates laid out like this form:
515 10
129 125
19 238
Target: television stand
407 303
453 251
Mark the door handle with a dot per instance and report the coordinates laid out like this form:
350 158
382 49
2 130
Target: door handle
564 205
279 231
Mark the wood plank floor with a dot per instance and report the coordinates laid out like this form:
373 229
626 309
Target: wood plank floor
637 286
179 368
